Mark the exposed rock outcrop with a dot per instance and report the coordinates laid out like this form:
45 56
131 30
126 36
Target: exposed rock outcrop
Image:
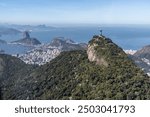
27 40
93 57
102 51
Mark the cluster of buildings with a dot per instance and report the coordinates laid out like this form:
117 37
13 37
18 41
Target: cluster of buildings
40 56
131 52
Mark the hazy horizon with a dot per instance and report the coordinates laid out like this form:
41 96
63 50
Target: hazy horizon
74 12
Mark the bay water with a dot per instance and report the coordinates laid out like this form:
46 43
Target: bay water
127 37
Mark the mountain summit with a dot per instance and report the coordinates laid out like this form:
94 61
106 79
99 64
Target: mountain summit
104 71
103 51
26 34
27 40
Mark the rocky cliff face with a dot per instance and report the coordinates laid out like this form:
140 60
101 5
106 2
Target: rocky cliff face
103 51
26 34
93 57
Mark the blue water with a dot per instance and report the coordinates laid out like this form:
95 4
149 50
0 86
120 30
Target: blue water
14 49
126 37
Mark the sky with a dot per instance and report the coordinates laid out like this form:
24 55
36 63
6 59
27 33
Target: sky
75 11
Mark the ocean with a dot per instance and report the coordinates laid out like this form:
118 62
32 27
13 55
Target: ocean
127 37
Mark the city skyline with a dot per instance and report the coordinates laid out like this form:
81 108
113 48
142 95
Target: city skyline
75 11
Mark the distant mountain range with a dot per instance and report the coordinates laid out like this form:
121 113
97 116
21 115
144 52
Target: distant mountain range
27 27
103 71
27 40
8 31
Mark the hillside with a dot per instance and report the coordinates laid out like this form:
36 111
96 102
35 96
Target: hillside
27 40
67 44
143 53
12 70
46 52
110 74
142 58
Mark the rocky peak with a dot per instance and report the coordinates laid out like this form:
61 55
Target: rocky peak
103 51
57 41
92 54
27 40
26 34
70 41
